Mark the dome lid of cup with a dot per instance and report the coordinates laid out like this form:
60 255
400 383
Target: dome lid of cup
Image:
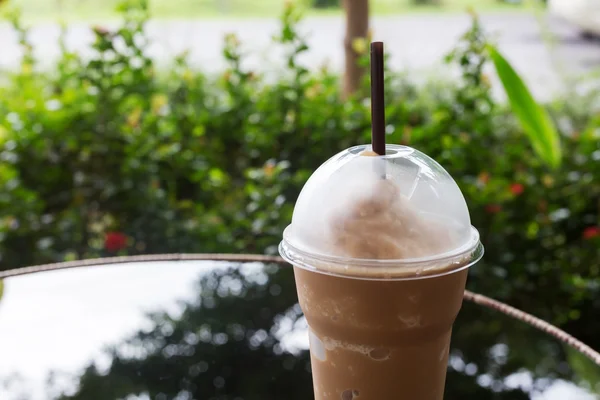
401 207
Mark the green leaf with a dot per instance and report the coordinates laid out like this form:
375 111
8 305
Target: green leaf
534 120
1 289
584 368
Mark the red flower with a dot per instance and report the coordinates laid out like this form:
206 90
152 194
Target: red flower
517 188
493 208
591 232
115 241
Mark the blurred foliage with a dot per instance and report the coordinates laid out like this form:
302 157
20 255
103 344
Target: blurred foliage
326 3
183 162
586 370
427 2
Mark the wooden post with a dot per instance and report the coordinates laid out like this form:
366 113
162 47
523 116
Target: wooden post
357 26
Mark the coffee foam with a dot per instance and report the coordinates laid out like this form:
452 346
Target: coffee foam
382 224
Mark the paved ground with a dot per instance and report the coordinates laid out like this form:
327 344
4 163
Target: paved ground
416 42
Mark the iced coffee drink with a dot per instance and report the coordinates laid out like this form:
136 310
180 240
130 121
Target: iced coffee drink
380 247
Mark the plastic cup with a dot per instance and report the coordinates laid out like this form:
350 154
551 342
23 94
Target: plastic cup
381 247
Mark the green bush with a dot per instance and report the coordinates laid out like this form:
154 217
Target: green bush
326 3
427 2
107 156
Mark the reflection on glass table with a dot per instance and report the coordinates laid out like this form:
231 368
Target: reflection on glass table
229 331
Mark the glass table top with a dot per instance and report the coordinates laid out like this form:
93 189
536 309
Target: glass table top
229 331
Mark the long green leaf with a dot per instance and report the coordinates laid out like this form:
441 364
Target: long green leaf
1 289
534 120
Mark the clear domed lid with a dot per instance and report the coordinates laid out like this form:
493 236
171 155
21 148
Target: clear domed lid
358 205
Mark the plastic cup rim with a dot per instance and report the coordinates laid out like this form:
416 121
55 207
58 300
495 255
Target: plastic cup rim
462 257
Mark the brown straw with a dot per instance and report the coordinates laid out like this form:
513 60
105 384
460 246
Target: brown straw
469 296
377 99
